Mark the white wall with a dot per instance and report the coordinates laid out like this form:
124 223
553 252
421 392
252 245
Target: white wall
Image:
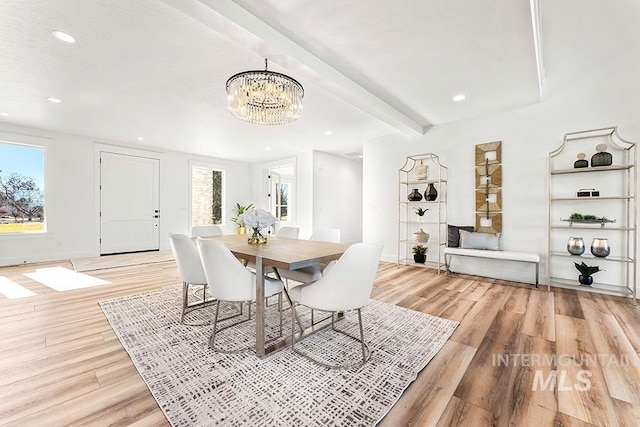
337 195
71 194
608 96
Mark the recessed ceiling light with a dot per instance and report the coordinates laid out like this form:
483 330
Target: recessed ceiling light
65 37
328 132
460 97
267 148
360 156
140 138
54 100
4 114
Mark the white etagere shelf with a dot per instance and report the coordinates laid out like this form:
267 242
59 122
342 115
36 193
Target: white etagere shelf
618 196
435 222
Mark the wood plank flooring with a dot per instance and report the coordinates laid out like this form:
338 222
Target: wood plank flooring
520 357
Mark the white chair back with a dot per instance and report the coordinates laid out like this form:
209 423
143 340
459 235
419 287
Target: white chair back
347 284
289 232
186 253
331 235
228 279
206 230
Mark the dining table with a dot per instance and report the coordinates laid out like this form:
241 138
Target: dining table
278 252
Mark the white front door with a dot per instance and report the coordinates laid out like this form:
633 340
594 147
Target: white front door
129 203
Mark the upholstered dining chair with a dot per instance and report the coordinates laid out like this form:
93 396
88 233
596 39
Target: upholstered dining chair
345 286
186 254
230 281
288 232
314 272
206 230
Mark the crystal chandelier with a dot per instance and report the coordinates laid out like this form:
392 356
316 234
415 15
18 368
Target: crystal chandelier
264 97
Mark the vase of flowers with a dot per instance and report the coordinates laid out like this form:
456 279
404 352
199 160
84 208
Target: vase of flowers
257 220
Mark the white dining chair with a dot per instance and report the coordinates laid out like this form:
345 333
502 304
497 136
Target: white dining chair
313 272
187 258
346 286
331 235
230 281
206 230
288 232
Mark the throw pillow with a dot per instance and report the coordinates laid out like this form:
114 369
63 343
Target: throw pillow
486 241
453 234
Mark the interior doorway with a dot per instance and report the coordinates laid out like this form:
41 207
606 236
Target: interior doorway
129 203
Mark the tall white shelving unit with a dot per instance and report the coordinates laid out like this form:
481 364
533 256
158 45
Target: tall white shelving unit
617 201
434 221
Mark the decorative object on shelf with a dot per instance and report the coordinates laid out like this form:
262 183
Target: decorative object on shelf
430 194
588 192
600 247
421 236
419 253
420 212
587 219
238 210
256 220
264 97
422 171
489 187
414 196
575 245
585 273
601 158
582 162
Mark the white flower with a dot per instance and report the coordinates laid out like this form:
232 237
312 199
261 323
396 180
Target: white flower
257 218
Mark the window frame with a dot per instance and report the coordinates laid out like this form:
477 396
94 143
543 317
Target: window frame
211 167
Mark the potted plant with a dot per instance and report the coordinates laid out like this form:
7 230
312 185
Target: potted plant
420 212
238 210
419 254
585 273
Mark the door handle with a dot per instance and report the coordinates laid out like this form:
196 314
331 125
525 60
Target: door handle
156 216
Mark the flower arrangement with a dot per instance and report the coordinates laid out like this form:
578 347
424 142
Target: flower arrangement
257 219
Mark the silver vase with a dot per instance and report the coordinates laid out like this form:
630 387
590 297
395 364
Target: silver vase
575 245
600 247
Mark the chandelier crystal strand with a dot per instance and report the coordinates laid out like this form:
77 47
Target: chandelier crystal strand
264 97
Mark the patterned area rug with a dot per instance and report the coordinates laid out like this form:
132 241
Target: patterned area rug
196 386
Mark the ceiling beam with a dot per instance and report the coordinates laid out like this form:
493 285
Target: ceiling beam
227 18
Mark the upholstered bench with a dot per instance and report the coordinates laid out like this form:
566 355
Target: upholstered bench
528 257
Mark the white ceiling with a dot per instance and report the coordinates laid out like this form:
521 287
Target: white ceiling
157 68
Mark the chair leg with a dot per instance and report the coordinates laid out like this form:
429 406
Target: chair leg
364 354
212 338
185 300
280 310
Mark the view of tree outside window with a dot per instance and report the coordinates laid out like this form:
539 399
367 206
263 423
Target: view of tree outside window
282 202
206 196
21 188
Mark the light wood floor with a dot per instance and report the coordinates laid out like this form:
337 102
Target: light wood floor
61 363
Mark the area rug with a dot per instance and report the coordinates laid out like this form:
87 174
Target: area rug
194 385
121 260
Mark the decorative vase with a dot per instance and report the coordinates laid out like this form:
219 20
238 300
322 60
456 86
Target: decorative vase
575 245
241 230
585 280
256 238
422 171
430 194
601 158
600 247
420 258
421 236
581 162
414 196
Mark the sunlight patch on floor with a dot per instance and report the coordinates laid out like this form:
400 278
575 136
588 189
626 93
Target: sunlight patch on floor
62 279
12 290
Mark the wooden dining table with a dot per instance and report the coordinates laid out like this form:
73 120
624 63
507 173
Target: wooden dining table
278 252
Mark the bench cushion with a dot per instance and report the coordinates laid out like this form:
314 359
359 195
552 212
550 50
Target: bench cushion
506 255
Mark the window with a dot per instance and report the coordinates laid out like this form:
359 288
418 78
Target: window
282 201
206 196
21 188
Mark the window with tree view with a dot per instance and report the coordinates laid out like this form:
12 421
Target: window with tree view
206 196
282 201
21 188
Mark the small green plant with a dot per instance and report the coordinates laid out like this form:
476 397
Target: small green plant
578 216
421 211
419 249
586 270
238 210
